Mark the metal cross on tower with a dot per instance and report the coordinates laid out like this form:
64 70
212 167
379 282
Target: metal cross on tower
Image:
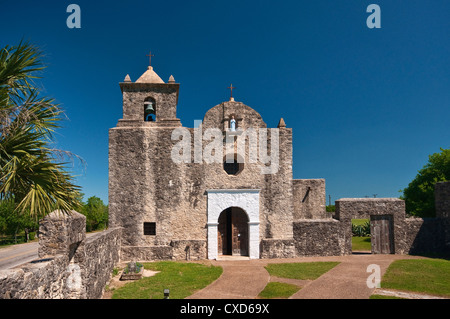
231 87
150 58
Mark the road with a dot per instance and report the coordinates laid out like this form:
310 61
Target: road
15 255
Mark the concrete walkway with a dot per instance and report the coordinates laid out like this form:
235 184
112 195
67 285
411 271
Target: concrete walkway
245 279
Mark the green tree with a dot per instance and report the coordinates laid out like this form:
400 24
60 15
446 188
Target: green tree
419 195
32 172
14 224
96 213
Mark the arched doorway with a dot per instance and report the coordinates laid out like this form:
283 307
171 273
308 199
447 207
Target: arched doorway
220 200
232 232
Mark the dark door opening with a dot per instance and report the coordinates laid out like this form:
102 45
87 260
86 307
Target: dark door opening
233 232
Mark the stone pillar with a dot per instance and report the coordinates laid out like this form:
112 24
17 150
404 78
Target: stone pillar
442 199
64 234
212 240
61 233
253 240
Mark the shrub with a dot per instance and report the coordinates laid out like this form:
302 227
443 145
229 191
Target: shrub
361 230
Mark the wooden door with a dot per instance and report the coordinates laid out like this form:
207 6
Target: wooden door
381 231
232 232
239 232
223 232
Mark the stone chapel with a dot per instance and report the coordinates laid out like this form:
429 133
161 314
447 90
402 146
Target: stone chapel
198 209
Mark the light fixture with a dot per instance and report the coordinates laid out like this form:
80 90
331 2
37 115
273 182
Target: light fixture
166 293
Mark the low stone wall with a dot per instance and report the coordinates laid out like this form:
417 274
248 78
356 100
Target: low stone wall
410 235
426 235
71 266
177 250
102 253
322 237
189 249
277 248
41 280
131 253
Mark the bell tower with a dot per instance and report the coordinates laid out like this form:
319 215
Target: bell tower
149 101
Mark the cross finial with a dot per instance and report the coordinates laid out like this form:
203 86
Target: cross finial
150 58
231 87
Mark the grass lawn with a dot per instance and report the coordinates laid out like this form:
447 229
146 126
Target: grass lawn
302 271
278 290
361 244
182 279
429 276
383 297
360 221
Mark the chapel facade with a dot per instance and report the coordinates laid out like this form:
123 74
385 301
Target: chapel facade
174 202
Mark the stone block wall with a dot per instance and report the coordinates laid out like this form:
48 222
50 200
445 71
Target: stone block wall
309 199
349 208
61 234
101 254
442 199
70 266
426 235
321 237
410 235
40 280
277 248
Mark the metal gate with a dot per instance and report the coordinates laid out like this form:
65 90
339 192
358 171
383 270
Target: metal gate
381 230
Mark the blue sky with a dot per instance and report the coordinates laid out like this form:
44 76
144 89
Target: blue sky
367 106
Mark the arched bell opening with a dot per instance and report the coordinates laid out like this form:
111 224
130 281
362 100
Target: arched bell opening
149 110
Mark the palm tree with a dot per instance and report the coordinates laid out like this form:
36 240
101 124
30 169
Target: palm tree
32 173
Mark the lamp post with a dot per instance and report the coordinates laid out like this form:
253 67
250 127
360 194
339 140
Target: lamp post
166 293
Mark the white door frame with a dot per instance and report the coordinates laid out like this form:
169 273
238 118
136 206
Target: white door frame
221 199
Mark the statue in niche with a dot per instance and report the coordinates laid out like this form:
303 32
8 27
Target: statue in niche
232 124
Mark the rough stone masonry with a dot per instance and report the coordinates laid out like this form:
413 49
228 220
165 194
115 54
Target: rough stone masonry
194 209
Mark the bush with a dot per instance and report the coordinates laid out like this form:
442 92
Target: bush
361 230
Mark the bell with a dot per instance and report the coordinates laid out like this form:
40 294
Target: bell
149 107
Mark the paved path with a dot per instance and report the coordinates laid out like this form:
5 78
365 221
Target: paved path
246 279
241 279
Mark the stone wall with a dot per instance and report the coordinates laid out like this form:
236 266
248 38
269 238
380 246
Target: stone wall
349 208
40 280
309 199
278 248
321 237
70 266
62 234
427 235
101 254
146 185
442 199
134 95
410 235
